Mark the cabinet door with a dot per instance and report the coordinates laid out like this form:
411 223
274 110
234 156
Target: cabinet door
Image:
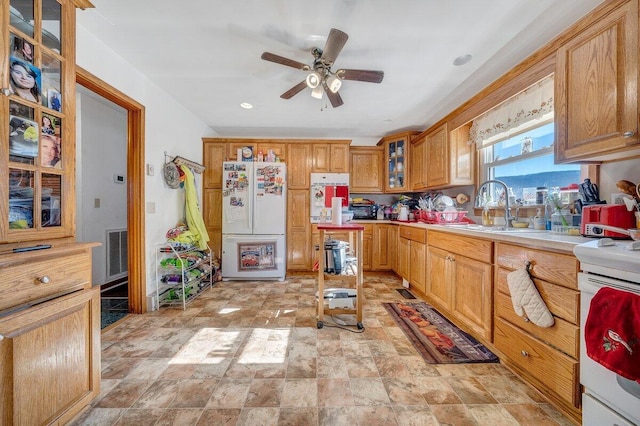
234 144
419 165
367 249
278 148
596 89
298 165
366 169
339 156
50 360
299 245
321 158
37 189
438 286
472 294
382 253
212 214
437 155
403 258
462 157
213 155
417 265
396 163
393 247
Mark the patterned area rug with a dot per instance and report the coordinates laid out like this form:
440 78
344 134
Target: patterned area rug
435 337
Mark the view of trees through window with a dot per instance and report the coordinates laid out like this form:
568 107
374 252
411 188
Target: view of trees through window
526 161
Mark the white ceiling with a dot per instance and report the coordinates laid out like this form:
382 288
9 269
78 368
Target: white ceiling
206 54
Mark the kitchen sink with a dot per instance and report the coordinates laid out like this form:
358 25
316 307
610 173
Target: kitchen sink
503 230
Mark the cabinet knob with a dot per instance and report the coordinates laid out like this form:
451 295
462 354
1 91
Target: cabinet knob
44 280
524 353
526 319
628 134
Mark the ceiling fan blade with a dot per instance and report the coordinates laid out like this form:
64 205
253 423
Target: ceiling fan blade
272 57
334 98
294 90
334 45
361 75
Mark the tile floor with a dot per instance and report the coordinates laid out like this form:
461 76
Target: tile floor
249 353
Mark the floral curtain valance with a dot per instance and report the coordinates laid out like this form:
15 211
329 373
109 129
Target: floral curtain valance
532 104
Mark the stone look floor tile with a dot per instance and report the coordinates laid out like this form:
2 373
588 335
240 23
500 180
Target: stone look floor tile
238 357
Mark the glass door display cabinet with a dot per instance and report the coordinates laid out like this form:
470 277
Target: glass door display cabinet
37 127
396 155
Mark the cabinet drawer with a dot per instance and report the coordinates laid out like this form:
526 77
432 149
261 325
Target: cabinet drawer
557 268
414 234
474 248
562 335
20 284
561 301
543 365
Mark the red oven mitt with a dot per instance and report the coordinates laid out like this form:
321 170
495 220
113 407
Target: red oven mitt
612 331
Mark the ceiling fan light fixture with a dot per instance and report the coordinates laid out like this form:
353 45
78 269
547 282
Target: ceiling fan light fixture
334 83
313 80
317 92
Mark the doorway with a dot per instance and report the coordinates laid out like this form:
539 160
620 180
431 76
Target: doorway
134 182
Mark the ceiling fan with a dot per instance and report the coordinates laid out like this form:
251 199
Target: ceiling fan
321 78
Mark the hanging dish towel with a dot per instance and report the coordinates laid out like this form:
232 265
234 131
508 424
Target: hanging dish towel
526 299
612 331
192 211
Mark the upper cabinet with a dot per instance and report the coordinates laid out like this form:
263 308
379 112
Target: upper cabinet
299 165
396 161
596 89
330 157
365 164
37 173
440 159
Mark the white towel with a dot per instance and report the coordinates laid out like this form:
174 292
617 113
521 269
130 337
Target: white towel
526 299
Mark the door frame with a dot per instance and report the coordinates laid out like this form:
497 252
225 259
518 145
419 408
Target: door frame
135 184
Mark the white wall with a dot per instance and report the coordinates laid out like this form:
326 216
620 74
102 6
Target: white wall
169 127
101 150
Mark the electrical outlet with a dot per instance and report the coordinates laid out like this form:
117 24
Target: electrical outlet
96 203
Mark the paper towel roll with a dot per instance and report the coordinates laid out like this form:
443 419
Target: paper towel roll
336 210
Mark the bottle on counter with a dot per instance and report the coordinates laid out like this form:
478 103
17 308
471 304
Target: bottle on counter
487 219
539 221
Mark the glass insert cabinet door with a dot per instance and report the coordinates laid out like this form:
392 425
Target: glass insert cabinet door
396 154
38 150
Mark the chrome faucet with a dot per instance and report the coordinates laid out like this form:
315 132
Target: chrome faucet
507 208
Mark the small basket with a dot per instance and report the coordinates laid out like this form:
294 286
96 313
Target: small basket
441 217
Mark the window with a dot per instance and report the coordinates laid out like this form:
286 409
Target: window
515 140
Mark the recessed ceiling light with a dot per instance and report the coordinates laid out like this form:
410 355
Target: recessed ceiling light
246 105
461 60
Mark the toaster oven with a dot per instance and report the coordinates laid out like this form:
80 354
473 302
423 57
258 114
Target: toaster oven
364 211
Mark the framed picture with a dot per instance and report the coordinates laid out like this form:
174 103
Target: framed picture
257 256
50 125
55 100
51 155
23 137
26 80
22 48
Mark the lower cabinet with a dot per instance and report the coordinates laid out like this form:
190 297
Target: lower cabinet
548 358
383 247
459 272
50 360
411 256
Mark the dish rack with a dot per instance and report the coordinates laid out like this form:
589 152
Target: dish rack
437 217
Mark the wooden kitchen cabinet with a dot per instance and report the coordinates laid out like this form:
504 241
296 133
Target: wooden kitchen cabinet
299 165
440 159
50 334
396 161
330 157
278 148
460 280
411 256
365 165
548 358
213 154
299 243
596 89
384 246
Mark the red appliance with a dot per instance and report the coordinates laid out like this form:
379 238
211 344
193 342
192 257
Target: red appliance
603 214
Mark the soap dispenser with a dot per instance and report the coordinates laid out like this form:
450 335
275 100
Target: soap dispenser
539 221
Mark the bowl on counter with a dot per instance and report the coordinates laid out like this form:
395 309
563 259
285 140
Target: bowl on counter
517 224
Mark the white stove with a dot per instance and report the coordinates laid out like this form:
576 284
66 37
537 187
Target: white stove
608 398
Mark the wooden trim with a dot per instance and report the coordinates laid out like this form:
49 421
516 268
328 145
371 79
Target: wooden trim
83 4
135 184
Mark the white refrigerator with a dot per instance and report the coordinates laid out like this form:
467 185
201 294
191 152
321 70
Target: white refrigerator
254 211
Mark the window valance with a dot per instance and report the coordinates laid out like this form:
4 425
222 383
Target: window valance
534 103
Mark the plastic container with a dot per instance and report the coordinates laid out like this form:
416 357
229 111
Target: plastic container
539 221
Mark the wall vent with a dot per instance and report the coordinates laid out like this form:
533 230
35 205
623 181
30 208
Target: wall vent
117 254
